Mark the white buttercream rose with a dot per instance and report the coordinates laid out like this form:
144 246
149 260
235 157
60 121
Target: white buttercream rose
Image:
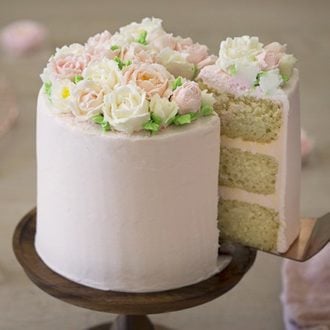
176 63
126 108
163 109
132 32
286 65
207 99
188 97
270 81
61 95
239 51
104 72
152 78
87 98
159 39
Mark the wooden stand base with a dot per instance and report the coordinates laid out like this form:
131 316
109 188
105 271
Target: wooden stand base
132 307
127 322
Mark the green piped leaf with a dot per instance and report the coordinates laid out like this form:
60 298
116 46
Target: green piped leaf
48 89
142 38
180 120
76 79
285 78
105 126
177 83
232 69
114 47
206 110
156 118
151 126
98 119
259 75
122 64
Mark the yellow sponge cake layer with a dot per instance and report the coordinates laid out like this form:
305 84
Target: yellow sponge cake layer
250 224
249 118
245 170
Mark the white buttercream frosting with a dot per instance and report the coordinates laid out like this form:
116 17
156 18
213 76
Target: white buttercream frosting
133 213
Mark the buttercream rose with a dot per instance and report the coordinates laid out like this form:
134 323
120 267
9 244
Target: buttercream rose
270 57
195 52
138 53
99 46
68 62
270 81
61 95
105 72
176 63
188 97
207 99
239 51
163 109
159 39
152 78
126 108
87 98
286 65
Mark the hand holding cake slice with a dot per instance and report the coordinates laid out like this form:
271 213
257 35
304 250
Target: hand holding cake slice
257 99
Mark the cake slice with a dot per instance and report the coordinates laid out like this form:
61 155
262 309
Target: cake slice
257 99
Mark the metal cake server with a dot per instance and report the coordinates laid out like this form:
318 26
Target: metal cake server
314 236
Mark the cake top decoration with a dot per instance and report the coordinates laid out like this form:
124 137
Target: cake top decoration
139 78
253 65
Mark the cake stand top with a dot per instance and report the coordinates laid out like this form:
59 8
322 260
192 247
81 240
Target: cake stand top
122 302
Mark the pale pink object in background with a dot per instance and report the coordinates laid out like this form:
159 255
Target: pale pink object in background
8 109
306 145
306 293
21 37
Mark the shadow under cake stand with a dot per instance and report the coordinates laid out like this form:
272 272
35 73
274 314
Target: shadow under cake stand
131 307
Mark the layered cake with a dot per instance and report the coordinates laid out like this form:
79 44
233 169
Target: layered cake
257 99
128 159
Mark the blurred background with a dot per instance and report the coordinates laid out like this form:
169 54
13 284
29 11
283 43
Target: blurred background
302 24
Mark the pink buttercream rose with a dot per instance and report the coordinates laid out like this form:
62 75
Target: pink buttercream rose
195 53
210 60
270 57
88 99
99 46
188 97
138 53
152 78
159 40
21 37
67 65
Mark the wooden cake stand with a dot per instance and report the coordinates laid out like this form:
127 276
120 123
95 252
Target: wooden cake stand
131 307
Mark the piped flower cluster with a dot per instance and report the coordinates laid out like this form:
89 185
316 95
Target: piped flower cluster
136 79
253 65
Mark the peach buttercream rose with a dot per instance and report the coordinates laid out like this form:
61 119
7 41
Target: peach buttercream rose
270 57
152 78
188 97
87 98
68 62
